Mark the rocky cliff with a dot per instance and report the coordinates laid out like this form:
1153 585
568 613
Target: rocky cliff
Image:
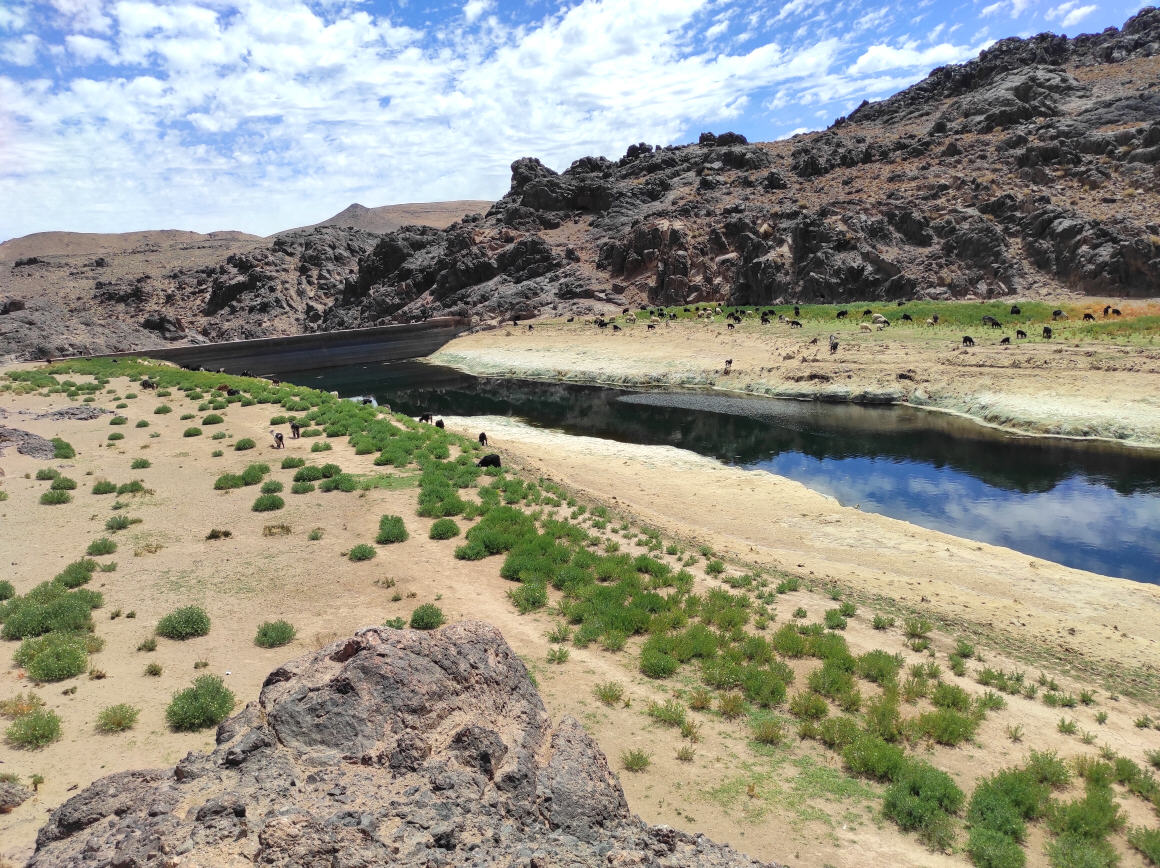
393 747
1032 170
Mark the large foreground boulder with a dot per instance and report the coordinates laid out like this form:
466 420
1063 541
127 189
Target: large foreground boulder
392 747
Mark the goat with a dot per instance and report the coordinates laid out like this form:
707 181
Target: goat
295 430
571 319
833 344
1087 317
1058 314
781 318
616 328
531 327
482 439
1047 332
866 327
842 314
631 318
730 326
868 312
880 319
489 461
992 322
1015 311
652 327
794 324
1116 312
1005 340
907 318
814 340
438 423
796 311
278 439
146 383
625 311
728 364
1019 333
1106 309
426 417
930 321
764 319
968 341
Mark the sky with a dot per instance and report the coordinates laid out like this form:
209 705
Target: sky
261 115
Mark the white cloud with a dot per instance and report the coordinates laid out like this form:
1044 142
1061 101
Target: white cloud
22 51
88 48
878 58
1069 14
473 9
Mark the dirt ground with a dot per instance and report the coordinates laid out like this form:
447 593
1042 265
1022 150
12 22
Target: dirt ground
792 804
1059 387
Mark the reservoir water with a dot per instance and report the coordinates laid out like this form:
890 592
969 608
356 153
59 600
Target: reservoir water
1087 505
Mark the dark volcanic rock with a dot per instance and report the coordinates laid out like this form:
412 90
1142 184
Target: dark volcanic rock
391 747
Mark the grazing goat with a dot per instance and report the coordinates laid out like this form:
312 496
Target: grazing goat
1005 340
616 328
968 341
146 383
1047 332
796 311
571 319
631 318
1058 314
489 461
868 312
278 439
992 322
482 439
1015 311
426 417
728 364
794 324
438 423
842 314
907 317
652 327
531 327
1106 309
730 326
866 327
1019 333
880 319
1116 312
833 344
295 430
1087 317
930 321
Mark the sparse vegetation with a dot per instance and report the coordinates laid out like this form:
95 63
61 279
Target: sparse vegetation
427 617
184 623
635 760
117 718
207 703
274 634
33 730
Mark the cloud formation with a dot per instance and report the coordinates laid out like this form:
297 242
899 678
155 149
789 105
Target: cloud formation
264 114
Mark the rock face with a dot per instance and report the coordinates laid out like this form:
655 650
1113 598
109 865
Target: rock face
392 747
1033 169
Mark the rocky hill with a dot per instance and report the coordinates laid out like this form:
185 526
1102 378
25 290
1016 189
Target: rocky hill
1033 171
391 747
388 218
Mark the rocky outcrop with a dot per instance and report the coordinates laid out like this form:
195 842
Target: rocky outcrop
392 747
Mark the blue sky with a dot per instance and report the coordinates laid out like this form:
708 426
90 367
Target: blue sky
259 115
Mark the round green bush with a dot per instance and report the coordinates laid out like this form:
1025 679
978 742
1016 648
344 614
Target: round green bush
53 656
268 503
330 470
272 486
191 432
46 473
34 730
391 530
321 446
244 444
289 462
63 483
118 522
7 592
101 546
342 482
992 849
184 623
117 718
55 498
162 409
302 488
140 464
274 634
62 449
279 420
116 435
254 473
426 617
656 664
309 474
142 423
361 552
207 703
118 420
212 419
77 573
444 528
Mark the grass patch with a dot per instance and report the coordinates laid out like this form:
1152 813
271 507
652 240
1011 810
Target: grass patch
391 530
140 464
274 634
33 730
635 760
101 546
117 718
184 623
361 552
55 498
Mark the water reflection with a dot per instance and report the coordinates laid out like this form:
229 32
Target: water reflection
1092 507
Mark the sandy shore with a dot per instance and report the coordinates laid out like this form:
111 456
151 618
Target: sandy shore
791 805
1096 390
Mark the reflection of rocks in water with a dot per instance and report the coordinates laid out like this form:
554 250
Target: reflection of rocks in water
747 431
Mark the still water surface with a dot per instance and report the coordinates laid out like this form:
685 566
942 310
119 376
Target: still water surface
1094 507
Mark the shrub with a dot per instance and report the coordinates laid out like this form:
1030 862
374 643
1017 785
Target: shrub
610 692
427 617
320 446
289 463
46 473
7 591
274 634
34 730
951 696
212 419
53 656
301 487
310 473
55 498
142 423
162 409
153 670
529 597
391 530
117 718
77 573
116 435
20 704
635 760
104 487
271 486
254 473
207 703
102 546
118 522
991 849
946 726
920 800
656 663
118 420
244 444
361 552
768 731
134 487
140 464
444 528
62 449
808 706
731 705
268 503
873 757
184 623
63 483
1147 841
